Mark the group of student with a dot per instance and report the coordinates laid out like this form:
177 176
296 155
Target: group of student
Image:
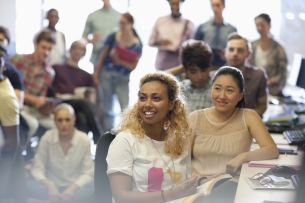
159 146
197 128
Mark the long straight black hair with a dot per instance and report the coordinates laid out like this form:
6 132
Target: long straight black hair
238 78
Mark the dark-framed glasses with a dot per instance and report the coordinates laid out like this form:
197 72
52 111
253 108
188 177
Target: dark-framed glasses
263 180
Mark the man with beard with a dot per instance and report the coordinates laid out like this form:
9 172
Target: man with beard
168 34
237 52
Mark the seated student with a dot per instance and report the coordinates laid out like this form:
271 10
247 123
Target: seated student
37 78
68 77
63 168
15 78
150 154
223 134
196 58
238 51
12 181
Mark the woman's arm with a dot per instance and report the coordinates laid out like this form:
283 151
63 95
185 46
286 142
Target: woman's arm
101 59
267 150
121 187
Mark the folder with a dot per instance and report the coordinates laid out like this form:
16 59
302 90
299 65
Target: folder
126 55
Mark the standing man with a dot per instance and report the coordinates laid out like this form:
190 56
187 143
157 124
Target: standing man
215 33
37 78
100 24
58 53
168 34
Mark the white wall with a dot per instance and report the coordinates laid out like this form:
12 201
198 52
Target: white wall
8 15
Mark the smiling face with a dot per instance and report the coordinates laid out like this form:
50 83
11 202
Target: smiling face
225 93
154 104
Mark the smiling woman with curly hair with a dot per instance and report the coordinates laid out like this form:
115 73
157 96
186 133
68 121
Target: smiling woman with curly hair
151 153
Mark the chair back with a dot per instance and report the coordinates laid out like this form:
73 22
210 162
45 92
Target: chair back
101 181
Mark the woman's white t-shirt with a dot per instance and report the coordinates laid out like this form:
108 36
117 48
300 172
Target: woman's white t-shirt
139 158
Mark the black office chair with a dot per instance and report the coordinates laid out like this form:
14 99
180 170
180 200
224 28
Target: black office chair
101 180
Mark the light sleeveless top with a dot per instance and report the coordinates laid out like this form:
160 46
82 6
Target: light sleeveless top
217 143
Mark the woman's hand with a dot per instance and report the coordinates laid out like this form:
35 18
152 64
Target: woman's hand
115 57
182 191
234 164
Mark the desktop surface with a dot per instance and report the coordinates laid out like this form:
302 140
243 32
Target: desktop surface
245 193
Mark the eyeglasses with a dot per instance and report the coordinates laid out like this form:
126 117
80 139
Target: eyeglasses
263 180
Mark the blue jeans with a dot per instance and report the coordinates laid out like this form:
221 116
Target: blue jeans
37 190
113 83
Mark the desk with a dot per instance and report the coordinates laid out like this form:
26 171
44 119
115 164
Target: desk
278 139
245 194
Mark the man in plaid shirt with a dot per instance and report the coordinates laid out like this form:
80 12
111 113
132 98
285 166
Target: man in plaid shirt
196 59
37 77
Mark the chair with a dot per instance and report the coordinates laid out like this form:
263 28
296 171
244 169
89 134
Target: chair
101 180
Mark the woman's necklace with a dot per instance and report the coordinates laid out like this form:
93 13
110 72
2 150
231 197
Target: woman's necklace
166 163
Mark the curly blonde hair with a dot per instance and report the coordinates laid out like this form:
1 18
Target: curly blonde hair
178 132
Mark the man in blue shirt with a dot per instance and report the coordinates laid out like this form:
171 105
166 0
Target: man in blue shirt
215 32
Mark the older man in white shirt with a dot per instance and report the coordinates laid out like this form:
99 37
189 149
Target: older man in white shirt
63 168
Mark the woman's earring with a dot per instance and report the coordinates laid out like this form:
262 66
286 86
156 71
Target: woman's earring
166 124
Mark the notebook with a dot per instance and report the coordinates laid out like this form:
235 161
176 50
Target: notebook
203 190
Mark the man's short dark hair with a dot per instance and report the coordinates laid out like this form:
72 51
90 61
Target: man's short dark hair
51 10
45 35
235 35
195 52
6 33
